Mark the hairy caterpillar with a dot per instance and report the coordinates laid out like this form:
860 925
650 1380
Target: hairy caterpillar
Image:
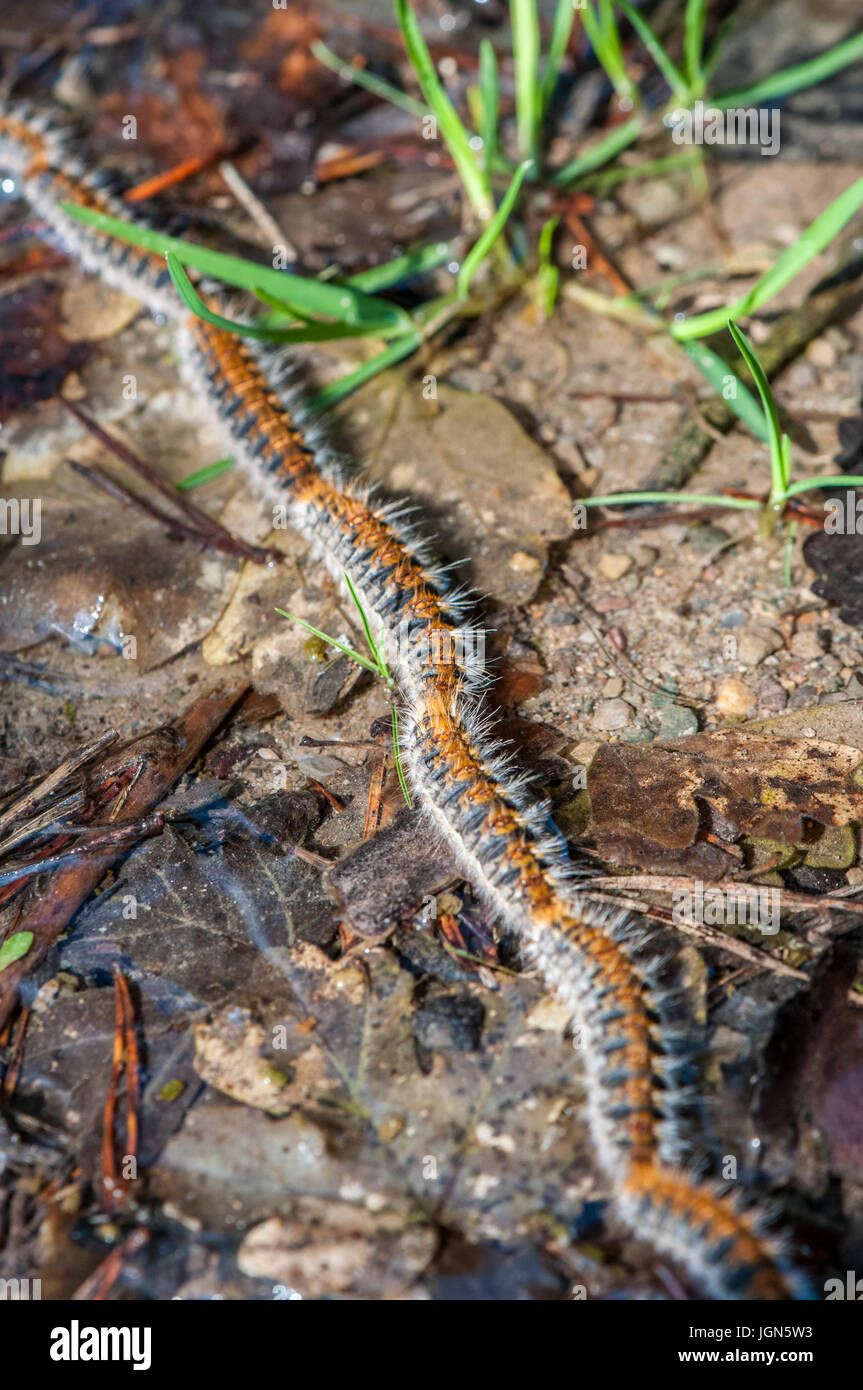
597 961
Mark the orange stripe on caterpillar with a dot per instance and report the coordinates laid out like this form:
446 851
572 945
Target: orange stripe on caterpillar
40 154
723 1248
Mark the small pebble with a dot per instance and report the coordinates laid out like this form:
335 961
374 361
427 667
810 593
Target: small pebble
645 555
734 697
803 696
523 563
771 696
821 353
707 537
612 565
757 642
612 714
665 695
390 1127
806 645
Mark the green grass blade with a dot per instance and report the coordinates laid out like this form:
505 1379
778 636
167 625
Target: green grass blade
672 75
195 304
311 296
418 261
717 372
451 128
561 29
398 758
723 31
548 275
284 314
336 391
489 90
835 480
374 647
693 44
649 169
340 646
785 267
368 80
481 247
600 25
795 79
308 333
600 153
707 499
786 464
205 475
774 429
525 51
415 262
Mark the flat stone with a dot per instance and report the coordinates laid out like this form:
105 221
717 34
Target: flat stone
677 721
771 695
806 645
706 538
612 565
757 642
612 714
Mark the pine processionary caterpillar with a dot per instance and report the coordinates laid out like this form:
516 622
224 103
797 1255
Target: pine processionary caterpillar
598 962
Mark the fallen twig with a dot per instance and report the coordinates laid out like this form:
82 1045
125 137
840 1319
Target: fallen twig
45 821
43 789
169 178
114 1186
98 1284
264 220
10 1080
670 883
177 530
117 836
220 538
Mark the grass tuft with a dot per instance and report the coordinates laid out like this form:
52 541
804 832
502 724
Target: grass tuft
375 663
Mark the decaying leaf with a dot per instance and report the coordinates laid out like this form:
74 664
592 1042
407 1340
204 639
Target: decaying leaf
652 804
35 354
467 456
108 582
815 1076
229 1056
464 1135
383 880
